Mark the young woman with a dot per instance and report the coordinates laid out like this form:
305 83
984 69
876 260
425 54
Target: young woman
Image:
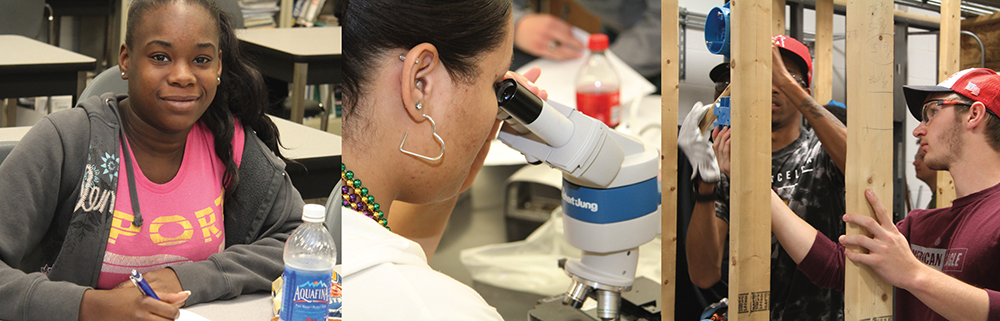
419 112
180 180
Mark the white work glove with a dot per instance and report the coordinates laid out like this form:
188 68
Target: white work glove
696 146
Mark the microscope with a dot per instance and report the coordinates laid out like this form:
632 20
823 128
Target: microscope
610 194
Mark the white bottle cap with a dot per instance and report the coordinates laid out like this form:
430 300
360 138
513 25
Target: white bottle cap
314 213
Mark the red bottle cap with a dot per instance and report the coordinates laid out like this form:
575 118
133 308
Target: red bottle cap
598 42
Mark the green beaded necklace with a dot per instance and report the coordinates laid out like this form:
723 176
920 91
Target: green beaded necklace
357 198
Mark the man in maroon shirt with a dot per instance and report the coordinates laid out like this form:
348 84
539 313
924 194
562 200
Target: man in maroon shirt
943 261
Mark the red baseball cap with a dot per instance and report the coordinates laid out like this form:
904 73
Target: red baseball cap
977 84
799 50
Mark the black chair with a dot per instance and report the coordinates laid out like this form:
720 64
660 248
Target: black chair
109 80
26 18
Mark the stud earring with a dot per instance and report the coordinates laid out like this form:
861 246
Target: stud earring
420 106
403 58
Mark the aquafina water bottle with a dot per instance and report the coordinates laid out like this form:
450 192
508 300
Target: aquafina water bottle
310 256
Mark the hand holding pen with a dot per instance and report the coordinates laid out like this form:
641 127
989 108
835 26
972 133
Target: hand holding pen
141 284
125 303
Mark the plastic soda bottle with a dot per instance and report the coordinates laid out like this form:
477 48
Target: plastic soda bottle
597 84
310 256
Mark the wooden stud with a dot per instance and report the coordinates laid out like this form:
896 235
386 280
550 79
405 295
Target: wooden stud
916 16
869 160
984 19
823 68
950 33
950 52
778 17
669 78
945 189
750 229
902 14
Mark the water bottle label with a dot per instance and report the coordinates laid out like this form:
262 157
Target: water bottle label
601 106
335 300
305 295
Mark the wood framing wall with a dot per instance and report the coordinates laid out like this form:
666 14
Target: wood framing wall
869 161
750 230
777 17
669 78
988 30
949 64
823 57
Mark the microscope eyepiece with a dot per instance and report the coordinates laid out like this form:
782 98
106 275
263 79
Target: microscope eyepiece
518 101
505 91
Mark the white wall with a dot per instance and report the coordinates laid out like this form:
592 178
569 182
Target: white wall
922 70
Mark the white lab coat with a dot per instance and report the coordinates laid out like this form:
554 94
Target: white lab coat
386 277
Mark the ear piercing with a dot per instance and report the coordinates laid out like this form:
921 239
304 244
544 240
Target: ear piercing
416 61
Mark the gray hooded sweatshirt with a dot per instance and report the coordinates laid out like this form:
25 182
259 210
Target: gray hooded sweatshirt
56 217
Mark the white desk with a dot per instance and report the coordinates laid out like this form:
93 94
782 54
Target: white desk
247 307
31 68
13 134
299 56
317 150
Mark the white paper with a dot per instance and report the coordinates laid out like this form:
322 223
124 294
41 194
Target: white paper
190 316
559 77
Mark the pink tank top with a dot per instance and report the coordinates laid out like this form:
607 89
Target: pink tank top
182 219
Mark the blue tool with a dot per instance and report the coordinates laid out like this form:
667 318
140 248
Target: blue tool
718 30
141 284
722 110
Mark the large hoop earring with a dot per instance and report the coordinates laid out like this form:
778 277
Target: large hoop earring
436 137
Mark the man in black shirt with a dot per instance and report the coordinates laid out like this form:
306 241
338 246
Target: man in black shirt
806 172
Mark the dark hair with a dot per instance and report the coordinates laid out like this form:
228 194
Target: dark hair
460 29
240 95
992 121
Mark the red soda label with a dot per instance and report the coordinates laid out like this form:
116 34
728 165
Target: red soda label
601 106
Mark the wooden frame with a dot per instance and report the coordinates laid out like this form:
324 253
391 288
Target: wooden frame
750 232
777 17
869 162
823 66
869 166
669 78
949 55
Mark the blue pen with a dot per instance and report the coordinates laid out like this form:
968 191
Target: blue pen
141 284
